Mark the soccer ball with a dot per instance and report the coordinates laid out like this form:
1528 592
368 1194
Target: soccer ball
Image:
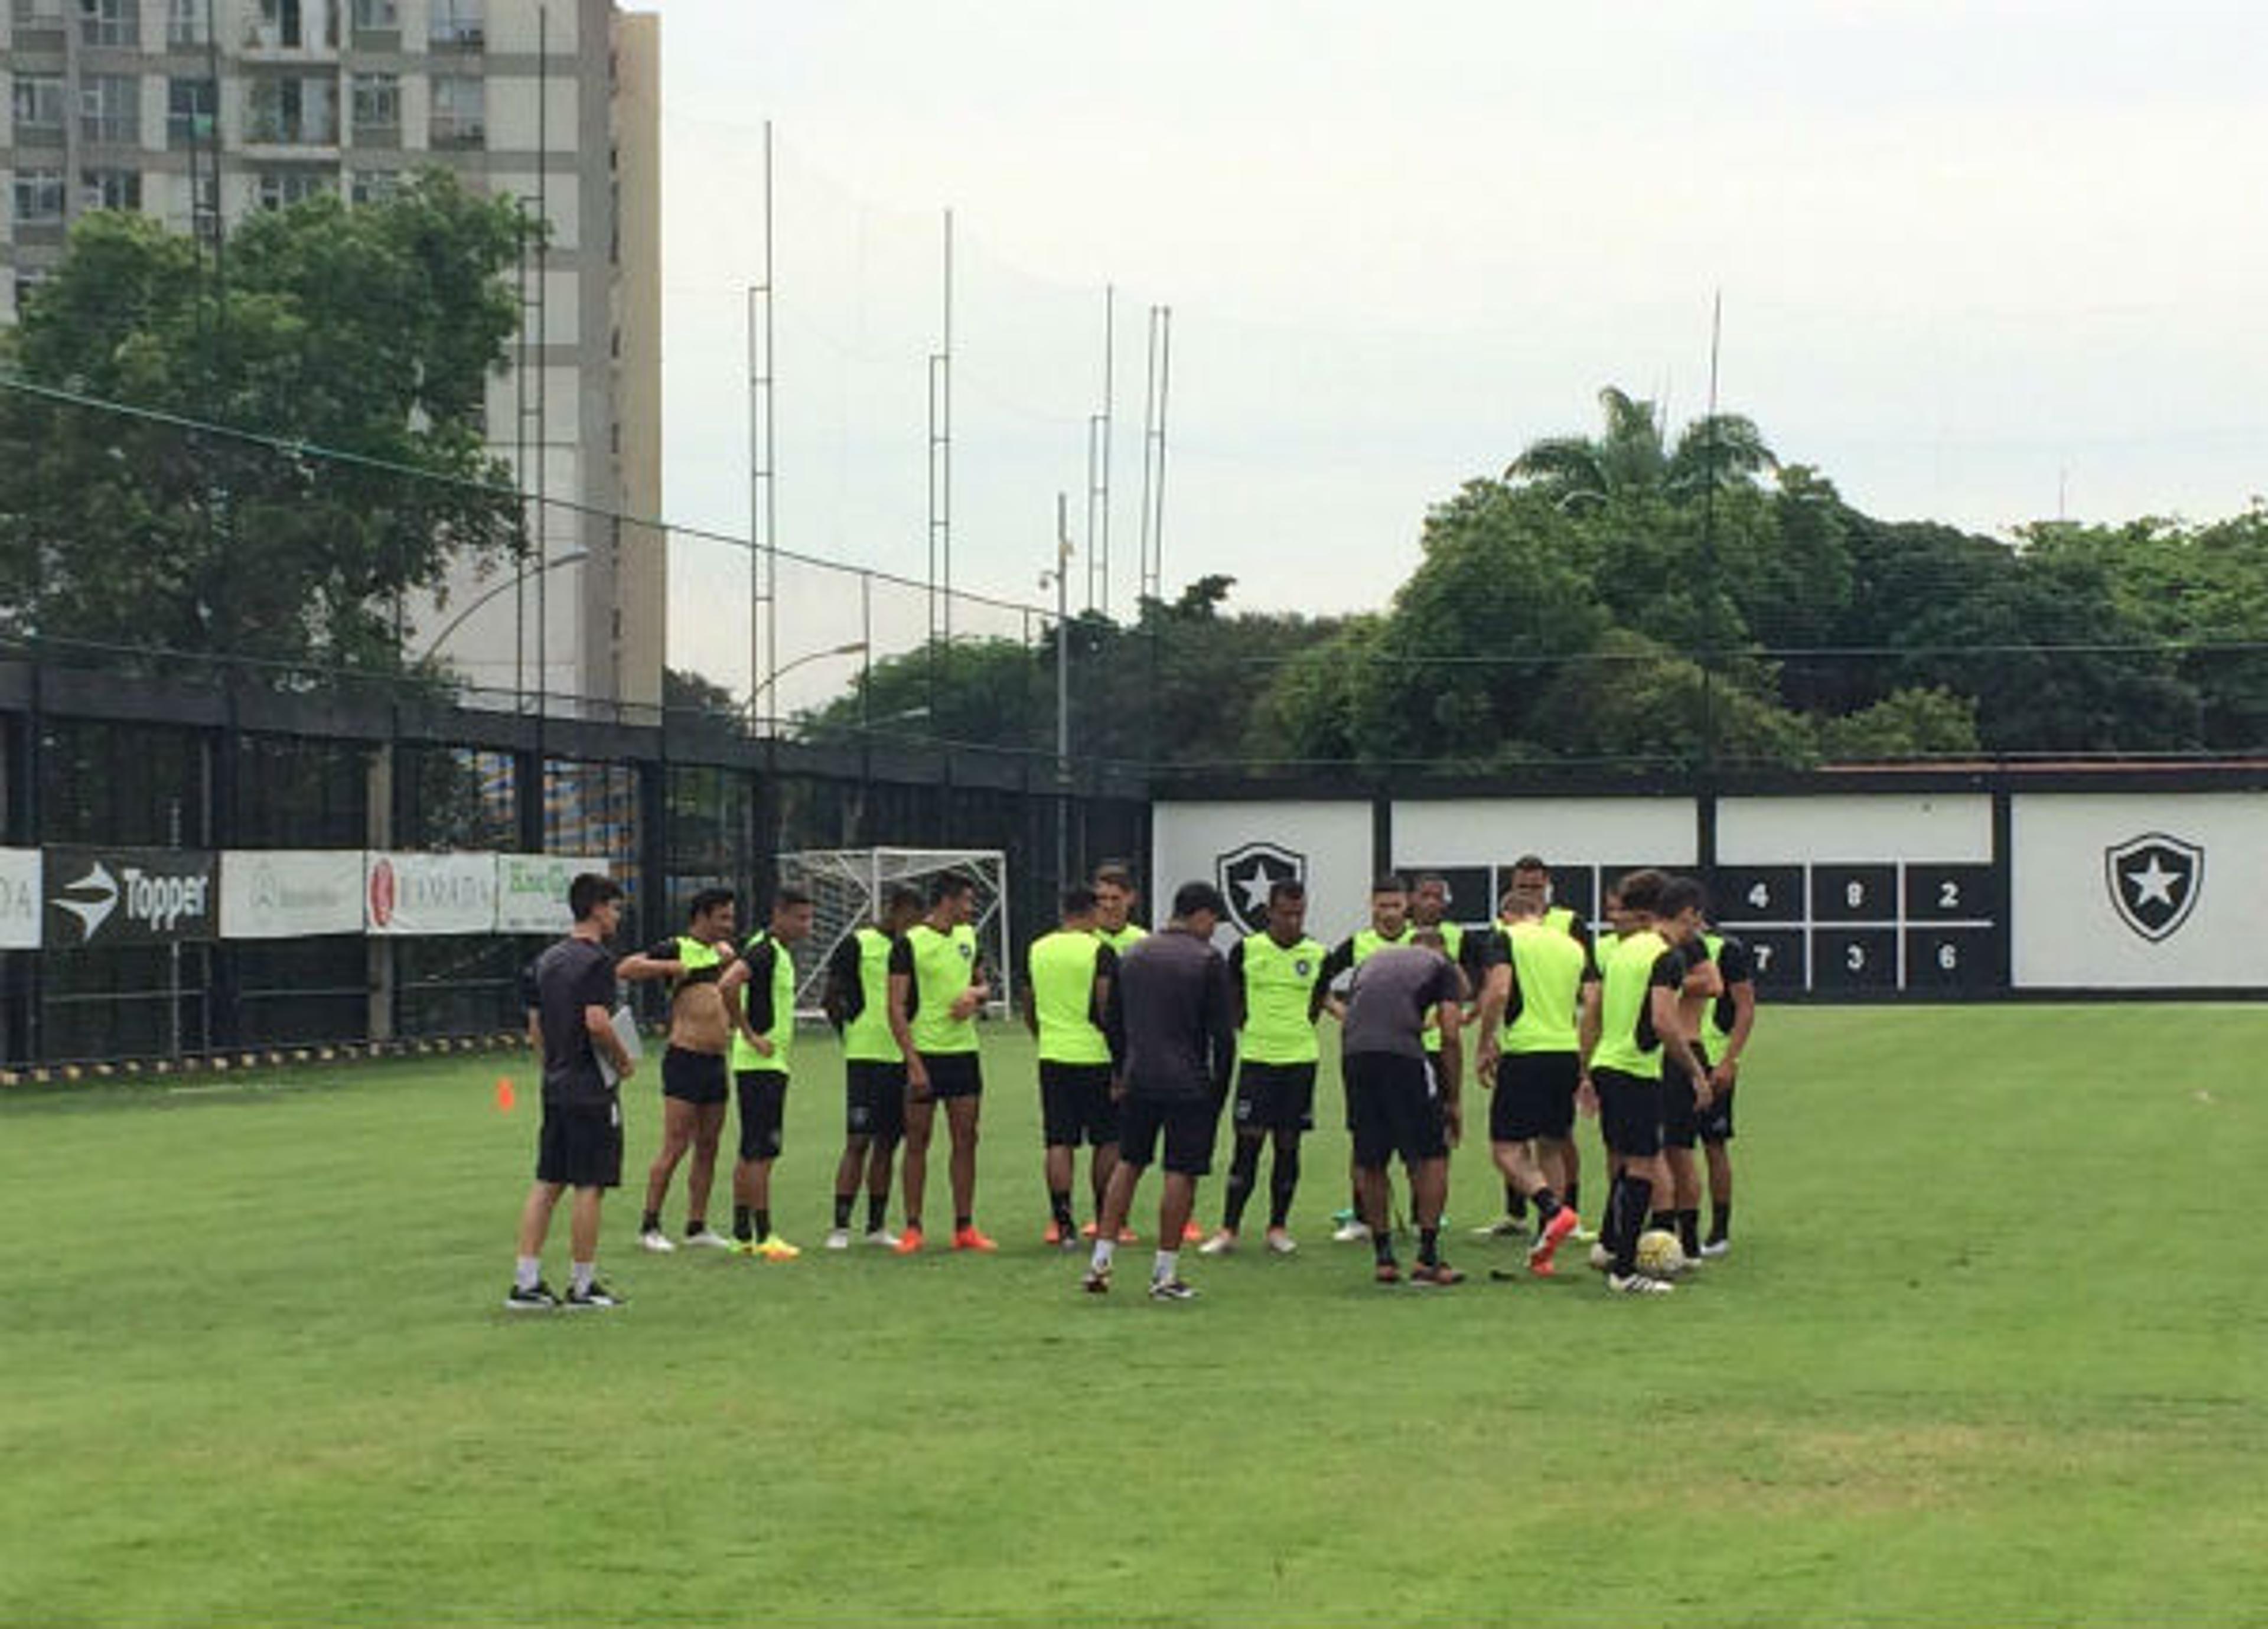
1659 1254
1602 1259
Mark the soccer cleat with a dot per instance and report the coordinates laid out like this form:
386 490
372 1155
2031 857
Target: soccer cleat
774 1247
1388 1272
1544 1269
655 1239
744 1247
1351 1232
707 1239
1584 1235
1096 1281
882 1238
1502 1227
1602 1259
1127 1235
839 1238
1191 1234
1056 1235
1342 1216
1714 1247
1280 1243
1171 1289
539 1298
1637 1284
1220 1244
1087 1231
597 1298
1547 1244
909 1242
1439 1275
969 1239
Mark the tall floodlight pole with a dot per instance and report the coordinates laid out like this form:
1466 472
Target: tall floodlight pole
763 512
1709 544
542 382
940 464
1097 471
1153 451
1062 576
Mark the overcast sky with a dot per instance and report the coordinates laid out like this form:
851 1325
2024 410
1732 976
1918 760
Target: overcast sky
1976 261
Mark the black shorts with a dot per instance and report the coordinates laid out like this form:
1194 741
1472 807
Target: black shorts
1276 1097
1075 1105
1534 1097
1187 1124
763 1099
953 1074
580 1145
1629 1112
874 1100
1715 1123
693 1077
1396 1108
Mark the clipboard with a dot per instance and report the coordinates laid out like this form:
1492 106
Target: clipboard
626 1032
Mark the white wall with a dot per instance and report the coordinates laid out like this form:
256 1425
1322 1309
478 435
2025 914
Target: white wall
1190 842
1770 831
1566 831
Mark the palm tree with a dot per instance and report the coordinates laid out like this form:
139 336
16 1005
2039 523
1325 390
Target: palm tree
1633 457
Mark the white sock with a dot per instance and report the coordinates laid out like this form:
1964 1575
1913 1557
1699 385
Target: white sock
584 1273
1104 1249
1168 1267
528 1272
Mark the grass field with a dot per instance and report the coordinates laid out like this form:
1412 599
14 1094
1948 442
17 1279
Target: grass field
1989 1349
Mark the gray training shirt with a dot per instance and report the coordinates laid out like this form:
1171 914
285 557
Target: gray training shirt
1170 1021
1394 991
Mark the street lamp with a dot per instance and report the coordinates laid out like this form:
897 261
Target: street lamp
854 647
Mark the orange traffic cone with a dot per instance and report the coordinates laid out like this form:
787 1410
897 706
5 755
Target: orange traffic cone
504 1098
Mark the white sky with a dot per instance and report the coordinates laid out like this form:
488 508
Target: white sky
1972 257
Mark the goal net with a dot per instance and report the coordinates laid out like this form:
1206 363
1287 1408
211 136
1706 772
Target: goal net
848 885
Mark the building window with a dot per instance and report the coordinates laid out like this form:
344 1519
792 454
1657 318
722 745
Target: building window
281 26
110 108
377 16
110 189
204 207
185 24
376 185
460 23
278 189
189 106
377 108
39 197
460 111
109 22
293 112
39 14
39 104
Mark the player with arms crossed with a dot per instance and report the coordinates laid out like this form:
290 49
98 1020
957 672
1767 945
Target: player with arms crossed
858 1004
692 1086
1172 1028
1275 976
759 991
1641 981
1066 982
937 989
580 1145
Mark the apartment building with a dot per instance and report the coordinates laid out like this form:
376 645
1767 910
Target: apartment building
116 104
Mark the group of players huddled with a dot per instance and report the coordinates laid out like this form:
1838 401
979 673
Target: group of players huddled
1143 1038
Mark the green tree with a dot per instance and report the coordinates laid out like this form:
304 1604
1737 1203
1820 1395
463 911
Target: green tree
367 331
1931 723
1633 456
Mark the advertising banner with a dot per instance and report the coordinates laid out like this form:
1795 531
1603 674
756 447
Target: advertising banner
19 899
532 891
104 897
429 894
289 893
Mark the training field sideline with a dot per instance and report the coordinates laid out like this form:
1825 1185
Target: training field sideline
1989 1349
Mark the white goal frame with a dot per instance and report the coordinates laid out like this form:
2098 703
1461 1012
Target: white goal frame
853 882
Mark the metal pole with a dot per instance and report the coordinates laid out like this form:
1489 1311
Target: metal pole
763 502
1709 546
542 343
1063 688
1098 472
945 481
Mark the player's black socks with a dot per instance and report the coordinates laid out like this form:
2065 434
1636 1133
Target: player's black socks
1059 1207
1547 1205
763 1225
877 1211
1283 1182
741 1223
1627 1203
1429 1247
1664 1220
1689 1232
696 1226
1243 1176
1574 1197
1720 1221
963 1224
1516 1203
1381 1246
650 1222
843 1210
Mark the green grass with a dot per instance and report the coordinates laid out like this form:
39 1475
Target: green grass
1988 1351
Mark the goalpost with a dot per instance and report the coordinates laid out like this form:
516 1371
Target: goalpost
848 885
